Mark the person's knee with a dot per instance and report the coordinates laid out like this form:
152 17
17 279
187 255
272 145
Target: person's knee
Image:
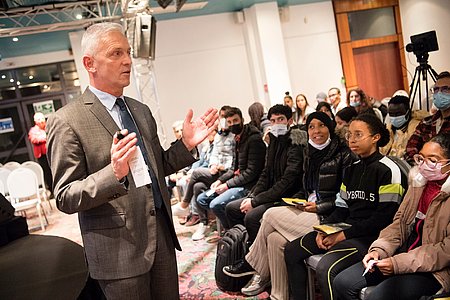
340 286
217 207
290 253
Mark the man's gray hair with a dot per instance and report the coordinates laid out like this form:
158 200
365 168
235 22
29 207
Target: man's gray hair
94 33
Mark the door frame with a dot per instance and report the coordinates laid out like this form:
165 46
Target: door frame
346 45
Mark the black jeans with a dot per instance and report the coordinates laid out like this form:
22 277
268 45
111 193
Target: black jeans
338 258
251 220
349 283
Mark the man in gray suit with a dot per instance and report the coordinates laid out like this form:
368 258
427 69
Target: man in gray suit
116 181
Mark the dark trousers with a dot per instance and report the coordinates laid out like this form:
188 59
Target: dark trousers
200 175
160 282
336 259
251 220
199 182
42 161
349 283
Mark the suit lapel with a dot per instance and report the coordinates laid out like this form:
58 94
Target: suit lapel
100 112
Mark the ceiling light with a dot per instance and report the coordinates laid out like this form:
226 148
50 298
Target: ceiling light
30 77
78 16
11 80
15 39
18 82
3 76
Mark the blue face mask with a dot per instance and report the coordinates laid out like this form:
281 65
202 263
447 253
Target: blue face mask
399 121
355 104
441 100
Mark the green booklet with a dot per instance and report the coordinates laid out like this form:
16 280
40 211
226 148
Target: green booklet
331 228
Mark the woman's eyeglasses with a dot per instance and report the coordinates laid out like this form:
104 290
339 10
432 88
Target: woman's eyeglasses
358 136
430 161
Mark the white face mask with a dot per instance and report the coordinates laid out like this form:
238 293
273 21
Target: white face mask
279 129
319 147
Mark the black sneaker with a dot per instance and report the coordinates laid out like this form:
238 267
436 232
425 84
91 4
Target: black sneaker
239 269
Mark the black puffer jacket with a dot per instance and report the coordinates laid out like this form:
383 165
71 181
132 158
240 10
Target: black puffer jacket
249 159
331 173
283 170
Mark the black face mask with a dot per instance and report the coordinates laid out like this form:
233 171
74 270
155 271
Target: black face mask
236 128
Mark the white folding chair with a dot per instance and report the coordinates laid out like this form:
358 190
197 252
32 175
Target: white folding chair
4 173
37 169
11 165
24 192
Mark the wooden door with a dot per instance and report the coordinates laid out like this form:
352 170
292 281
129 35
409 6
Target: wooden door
371 45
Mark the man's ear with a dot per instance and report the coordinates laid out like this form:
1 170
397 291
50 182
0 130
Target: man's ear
88 64
290 121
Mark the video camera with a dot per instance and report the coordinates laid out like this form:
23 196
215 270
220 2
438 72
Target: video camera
423 43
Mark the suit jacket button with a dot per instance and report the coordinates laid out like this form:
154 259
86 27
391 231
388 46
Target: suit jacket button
152 212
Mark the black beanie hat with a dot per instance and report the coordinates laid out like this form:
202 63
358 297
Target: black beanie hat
347 114
324 118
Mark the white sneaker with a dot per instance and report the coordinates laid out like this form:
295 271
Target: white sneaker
178 211
199 234
255 286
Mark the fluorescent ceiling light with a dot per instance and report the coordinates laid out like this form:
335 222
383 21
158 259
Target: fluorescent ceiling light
173 8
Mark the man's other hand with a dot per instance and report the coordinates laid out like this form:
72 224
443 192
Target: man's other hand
195 131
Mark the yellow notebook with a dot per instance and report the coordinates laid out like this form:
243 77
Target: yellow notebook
331 228
294 201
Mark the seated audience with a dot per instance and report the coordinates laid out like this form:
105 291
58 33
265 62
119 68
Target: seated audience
434 124
343 118
302 110
412 255
249 162
326 157
402 123
287 100
258 117
334 99
371 191
220 161
172 179
326 108
320 97
283 171
357 99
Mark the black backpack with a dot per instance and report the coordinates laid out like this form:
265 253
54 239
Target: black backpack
230 249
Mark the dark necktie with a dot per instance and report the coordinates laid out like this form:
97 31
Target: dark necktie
128 123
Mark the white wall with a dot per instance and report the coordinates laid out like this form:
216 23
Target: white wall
420 16
312 50
201 62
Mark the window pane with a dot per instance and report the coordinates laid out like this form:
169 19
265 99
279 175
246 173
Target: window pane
38 80
372 23
70 75
7 85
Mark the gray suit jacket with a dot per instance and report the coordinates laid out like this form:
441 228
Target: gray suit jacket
118 226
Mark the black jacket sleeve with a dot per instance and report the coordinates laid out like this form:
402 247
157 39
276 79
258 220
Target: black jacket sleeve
255 163
291 176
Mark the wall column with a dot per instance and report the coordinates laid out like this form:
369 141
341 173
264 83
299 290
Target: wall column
266 52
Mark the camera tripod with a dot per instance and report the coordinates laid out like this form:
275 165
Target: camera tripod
423 69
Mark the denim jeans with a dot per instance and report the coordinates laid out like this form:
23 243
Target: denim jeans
217 203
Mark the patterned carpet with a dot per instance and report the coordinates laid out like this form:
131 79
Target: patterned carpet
195 262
